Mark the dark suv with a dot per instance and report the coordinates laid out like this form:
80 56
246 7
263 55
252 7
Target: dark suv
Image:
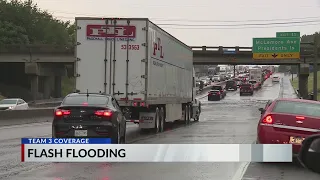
87 115
246 88
231 84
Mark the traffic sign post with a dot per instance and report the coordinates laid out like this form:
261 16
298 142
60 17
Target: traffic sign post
276 48
288 34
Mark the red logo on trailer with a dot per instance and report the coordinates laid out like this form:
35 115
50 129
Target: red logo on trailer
157 46
111 31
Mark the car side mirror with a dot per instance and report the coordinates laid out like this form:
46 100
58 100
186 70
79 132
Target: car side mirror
309 155
261 110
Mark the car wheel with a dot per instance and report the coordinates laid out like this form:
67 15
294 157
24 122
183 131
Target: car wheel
124 136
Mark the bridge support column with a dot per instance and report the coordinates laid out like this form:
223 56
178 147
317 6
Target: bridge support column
57 87
303 80
34 87
47 87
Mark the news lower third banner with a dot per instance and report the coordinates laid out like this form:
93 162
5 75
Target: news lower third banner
101 150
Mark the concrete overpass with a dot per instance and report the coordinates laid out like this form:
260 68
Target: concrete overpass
48 63
203 55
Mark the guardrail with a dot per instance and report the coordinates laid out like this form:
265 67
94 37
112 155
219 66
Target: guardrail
17 117
45 103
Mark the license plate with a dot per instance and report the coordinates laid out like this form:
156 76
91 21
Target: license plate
296 140
80 133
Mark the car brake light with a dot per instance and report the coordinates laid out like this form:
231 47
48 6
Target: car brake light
267 120
300 117
61 112
104 113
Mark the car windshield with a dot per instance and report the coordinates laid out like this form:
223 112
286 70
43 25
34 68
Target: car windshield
83 99
294 107
8 101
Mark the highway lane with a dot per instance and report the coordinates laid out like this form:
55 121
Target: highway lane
232 120
217 125
283 171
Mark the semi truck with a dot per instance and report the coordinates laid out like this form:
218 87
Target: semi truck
256 74
148 71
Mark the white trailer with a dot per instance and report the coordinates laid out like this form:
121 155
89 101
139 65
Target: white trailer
148 71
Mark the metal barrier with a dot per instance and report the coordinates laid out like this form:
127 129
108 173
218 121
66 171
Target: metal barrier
25 116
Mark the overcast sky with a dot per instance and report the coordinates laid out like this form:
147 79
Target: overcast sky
304 14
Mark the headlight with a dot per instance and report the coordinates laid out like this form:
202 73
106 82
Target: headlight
11 107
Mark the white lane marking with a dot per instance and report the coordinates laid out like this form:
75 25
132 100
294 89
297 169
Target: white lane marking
241 170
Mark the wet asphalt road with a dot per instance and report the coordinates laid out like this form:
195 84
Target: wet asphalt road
231 120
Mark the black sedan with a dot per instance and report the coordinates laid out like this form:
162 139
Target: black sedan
87 115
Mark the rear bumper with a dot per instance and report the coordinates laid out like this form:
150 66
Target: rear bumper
268 135
212 97
97 129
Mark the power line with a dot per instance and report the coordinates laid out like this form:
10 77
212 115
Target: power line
192 20
237 28
235 25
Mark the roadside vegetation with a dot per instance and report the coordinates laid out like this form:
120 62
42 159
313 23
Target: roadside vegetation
310 83
23 22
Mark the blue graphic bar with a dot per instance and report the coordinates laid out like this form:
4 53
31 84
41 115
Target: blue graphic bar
65 141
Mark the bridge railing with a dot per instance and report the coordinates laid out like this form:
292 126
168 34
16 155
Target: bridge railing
304 50
221 48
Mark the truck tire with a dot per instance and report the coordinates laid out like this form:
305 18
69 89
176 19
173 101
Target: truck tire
186 115
162 120
189 113
156 122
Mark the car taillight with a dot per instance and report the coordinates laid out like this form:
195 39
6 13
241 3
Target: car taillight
268 120
104 113
218 93
300 117
62 112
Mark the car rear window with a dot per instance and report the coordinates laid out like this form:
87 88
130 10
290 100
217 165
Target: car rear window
301 108
230 82
216 88
90 100
246 85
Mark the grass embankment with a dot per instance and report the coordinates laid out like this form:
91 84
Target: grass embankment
67 85
310 83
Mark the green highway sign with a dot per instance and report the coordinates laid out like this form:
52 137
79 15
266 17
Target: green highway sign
288 34
276 45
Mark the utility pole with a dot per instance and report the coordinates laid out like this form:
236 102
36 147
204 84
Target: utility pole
315 69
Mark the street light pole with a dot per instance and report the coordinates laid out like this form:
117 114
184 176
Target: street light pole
315 69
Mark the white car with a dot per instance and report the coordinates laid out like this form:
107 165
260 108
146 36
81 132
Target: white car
13 104
275 79
216 78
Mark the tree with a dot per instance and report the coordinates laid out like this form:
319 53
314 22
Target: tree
25 23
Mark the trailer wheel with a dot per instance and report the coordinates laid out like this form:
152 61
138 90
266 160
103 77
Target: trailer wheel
156 122
162 120
186 115
189 113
